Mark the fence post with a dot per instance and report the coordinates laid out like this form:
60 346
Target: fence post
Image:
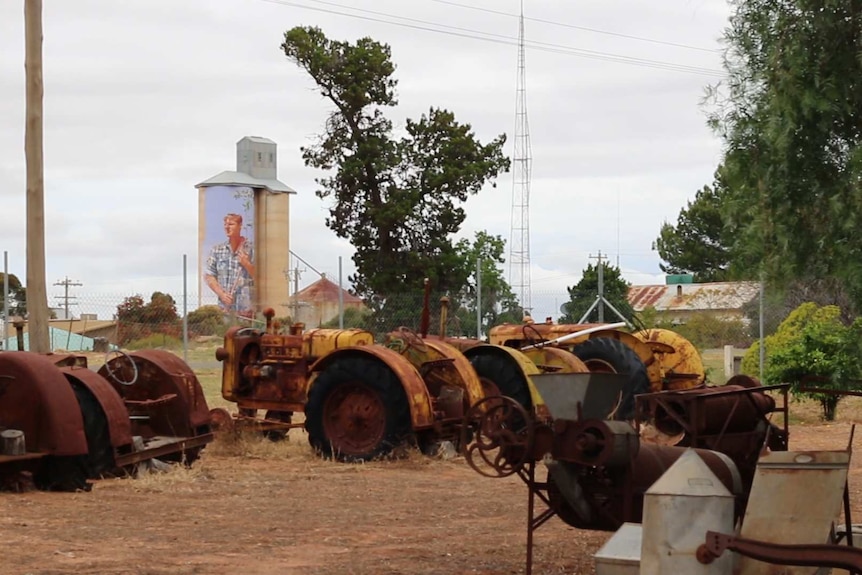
5 298
185 311
478 298
728 362
762 345
340 297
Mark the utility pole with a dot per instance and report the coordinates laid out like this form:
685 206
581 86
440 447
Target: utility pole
294 275
37 294
601 298
66 298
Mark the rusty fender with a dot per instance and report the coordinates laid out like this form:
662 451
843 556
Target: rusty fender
421 410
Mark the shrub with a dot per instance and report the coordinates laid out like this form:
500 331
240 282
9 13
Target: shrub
814 342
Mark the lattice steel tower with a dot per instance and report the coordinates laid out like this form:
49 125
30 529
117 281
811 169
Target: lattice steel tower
519 242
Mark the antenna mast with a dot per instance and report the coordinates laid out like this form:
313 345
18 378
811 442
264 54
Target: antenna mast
519 245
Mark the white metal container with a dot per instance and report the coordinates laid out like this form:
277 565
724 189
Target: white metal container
687 501
621 554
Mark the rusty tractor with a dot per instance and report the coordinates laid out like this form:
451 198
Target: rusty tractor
63 423
653 359
598 469
362 400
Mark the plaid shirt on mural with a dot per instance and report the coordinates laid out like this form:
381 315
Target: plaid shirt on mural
223 264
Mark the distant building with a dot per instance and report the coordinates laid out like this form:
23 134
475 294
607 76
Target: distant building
69 334
317 304
677 302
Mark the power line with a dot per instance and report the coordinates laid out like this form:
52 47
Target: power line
501 39
584 28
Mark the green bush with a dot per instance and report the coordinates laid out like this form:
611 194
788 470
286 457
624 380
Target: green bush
207 320
705 331
813 342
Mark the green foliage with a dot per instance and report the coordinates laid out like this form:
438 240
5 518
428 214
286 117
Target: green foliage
17 296
789 117
583 295
499 304
207 320
698 243
398 200
705 331
353 317
814 342
137 320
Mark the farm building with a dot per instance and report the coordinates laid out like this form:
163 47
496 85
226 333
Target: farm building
317 304
676 302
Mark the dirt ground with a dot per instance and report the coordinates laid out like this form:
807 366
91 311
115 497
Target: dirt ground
260 508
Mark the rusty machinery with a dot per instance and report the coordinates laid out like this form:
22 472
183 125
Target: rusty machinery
599 469
77 424
360 399
654 359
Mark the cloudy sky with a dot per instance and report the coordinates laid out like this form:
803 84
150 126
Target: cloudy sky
146 98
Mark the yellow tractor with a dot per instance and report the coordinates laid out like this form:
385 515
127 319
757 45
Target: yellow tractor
361 399
654 359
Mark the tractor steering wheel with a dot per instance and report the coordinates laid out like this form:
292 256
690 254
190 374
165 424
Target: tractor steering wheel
124 361
411 338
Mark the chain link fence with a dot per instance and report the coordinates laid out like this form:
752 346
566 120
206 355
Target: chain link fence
96 322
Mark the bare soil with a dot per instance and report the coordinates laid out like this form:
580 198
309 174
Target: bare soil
259 508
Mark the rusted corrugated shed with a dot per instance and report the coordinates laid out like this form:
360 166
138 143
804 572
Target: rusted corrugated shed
693 297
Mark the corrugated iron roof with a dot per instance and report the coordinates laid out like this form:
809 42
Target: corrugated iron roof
230 178
693 297
324 290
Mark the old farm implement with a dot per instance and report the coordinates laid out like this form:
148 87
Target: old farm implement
63 423
598 469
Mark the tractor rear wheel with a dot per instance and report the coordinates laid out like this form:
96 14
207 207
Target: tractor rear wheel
505 375
70 473
357 410
608 355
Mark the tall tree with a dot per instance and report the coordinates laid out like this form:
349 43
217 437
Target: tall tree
789 116
698 243
498 303
398 200
584 293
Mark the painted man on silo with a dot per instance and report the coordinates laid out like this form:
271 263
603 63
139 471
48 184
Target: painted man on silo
229 271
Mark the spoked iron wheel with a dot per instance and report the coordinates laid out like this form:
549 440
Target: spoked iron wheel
504 437
357 410
354 419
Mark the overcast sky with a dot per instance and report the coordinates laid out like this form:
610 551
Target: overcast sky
146 98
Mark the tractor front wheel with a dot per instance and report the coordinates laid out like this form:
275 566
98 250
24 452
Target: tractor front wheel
608 355
357 411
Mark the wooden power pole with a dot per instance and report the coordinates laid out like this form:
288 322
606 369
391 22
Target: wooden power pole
37 293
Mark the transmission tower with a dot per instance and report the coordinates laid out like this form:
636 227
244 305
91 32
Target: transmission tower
519 244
